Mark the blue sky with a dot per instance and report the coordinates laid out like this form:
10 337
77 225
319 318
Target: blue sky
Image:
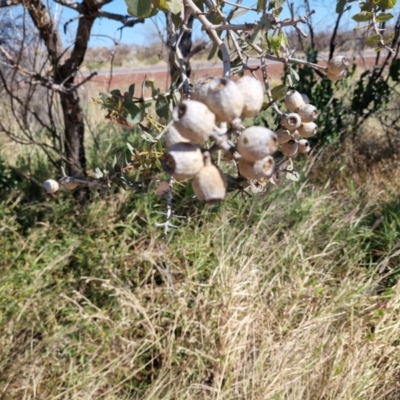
141 34
145 33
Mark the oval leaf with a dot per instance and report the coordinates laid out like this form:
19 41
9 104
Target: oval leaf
341 4
162 107
135 113
389 39
139 8
386 4
374 40
383 17
363 16
161 5
278 92
175 6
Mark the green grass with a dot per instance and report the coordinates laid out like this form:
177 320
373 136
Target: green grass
290 295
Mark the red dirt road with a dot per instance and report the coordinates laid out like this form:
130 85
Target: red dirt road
121 79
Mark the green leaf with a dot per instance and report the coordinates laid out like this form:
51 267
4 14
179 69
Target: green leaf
135 113
387 4
294 75
161 5
340 6
237 66
146 136
363 16
394 70
277 11
260 5
265 22
383 17
176 19
389 39
131 89
175 6
162 107
257 35
233 54
374 40
279 92
238 13
278 42
367 5
103 96
278 4
154 91
130 148
116 93
290 80
139 8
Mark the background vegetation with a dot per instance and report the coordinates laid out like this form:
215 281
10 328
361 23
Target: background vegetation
289 294
292 294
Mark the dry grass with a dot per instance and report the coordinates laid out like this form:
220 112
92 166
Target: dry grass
284 297
292 295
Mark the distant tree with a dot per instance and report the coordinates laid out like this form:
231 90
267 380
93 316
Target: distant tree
33 55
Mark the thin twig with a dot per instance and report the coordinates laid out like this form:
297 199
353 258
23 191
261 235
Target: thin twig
169 214
213 35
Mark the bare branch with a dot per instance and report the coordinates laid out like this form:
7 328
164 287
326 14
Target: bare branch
285 60
44 24
169 214
70 4
213 35
267 87
127 21
237 5
232 27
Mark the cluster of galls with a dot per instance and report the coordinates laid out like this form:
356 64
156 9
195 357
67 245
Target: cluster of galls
297 125
218 100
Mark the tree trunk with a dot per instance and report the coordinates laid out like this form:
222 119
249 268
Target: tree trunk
74 130
185 47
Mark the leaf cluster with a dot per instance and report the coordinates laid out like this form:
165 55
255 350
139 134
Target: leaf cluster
372 12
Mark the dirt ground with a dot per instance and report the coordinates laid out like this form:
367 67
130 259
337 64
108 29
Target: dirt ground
122 79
